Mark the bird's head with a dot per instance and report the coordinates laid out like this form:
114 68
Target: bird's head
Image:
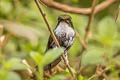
65 18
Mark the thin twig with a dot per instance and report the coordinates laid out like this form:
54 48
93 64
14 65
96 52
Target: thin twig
90 20
93 76
1 29
87 32
42 3
99 72
81 41
53 36
105 76
4 40
84 11
80 59
117 14
28 69
45 19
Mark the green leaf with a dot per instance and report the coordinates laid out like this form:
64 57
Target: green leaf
51 55
80 77
79 21
75 1
3 74
36 57
21 30
107 31
14 64
5 6
67 71
13 76
92 56
58 77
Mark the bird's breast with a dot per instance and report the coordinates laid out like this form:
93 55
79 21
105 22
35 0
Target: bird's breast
63 28
65 34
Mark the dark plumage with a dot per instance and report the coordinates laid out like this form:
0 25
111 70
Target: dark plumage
65 34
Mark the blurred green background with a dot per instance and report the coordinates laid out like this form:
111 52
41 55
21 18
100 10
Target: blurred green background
22 19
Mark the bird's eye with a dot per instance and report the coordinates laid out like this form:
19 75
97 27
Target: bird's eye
69 20
59 19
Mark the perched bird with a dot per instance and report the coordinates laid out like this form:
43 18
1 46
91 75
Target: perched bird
65 34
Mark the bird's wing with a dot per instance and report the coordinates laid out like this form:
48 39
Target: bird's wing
49 44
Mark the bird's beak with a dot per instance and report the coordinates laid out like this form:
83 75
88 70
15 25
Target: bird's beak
66 21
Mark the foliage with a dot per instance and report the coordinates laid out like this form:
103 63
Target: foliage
22 20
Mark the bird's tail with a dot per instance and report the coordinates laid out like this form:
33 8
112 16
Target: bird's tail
53 64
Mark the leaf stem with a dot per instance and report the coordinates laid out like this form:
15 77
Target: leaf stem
40 75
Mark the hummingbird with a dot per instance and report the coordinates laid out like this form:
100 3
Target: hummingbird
65 34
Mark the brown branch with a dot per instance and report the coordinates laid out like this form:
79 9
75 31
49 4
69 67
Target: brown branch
90 20
81 41
87 33
93 76
66 8
99 72
28 68
1 29
117 14
4 40
53 36
1 40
